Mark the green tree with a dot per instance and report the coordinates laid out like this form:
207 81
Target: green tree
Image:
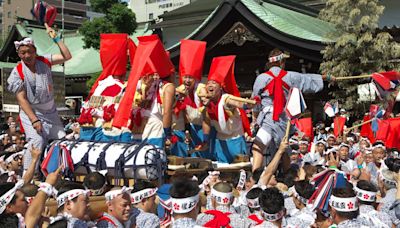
92 80
359 48
102 6
118 19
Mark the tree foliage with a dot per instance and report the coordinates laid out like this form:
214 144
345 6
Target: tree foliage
359 48
101 6
92 80
118 19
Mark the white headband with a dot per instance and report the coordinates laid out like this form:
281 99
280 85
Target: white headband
6 198
97 192
321 142
2 136
299 197
365 139
344 204
184 205
276 58
24 42
365 195
114 193
344 145
204 185
378 146
11 158
273 217
303 142
331 150
29 199
350 139
214 173
137 197
368 150
330 136
253 203
242 179
70 195
387 181
222 197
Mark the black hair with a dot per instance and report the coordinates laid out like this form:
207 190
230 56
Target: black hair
4 178
8 220
346 192
367 186
393 164
184 188
272 201
63 223
257 174
142 184
253 194
304 189
378 143
294 147
248 176
288 178
94 180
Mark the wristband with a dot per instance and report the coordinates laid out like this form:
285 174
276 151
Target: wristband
35 121
206 137
56 39
167 131
46 188
328 77
359 166
332 167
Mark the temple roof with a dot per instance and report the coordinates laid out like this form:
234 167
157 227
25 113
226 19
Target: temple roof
84 61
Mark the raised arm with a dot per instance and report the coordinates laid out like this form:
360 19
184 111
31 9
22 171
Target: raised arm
168 102
28 175
65 53
37 206
273 165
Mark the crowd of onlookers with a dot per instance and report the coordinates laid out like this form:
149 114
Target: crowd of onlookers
326 181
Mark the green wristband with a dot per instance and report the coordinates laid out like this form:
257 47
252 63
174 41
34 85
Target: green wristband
328 77
332 167
56 39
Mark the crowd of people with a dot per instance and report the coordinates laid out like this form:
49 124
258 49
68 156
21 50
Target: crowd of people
292 181
278 195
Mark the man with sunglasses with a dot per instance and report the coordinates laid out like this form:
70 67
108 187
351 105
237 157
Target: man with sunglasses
13 162
31 81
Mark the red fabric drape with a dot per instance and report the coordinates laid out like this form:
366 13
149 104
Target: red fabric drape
305 125
338 123
393 136
366 130
113 56
275 89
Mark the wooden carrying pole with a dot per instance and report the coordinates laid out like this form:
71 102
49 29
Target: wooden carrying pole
354 77
287 130
359 125
244 100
